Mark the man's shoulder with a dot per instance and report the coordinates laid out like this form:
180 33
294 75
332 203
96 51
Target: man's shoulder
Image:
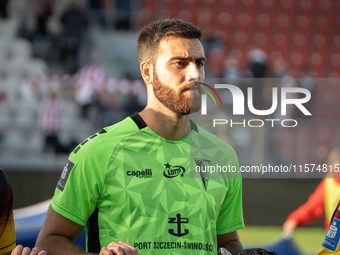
213 138
105 140
214 142
121 129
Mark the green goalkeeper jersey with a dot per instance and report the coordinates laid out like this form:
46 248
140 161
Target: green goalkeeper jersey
127 183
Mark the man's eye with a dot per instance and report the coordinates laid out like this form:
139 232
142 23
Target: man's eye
200 64
180 63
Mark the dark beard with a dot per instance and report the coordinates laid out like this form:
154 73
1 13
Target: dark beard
176 101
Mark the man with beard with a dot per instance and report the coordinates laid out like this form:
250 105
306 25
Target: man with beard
132 184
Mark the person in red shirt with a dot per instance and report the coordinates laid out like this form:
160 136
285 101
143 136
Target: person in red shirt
322 201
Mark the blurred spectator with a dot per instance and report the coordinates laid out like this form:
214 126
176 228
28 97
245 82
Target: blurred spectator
3 103
212 44
215 59
308 82
7 227
89 81
204 22
257 62
285 77
215 52
232 75
97 11
44 12
323 201
41 36
123 10
51 123
288 81
132 105
74 25
3 9
231 69
109 106
3 97
279 67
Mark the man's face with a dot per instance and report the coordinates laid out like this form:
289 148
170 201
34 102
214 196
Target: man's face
180 63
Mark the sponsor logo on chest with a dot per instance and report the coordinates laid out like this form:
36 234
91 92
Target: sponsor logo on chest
140 174
173 171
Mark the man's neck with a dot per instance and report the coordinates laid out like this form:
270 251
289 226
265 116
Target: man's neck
167 125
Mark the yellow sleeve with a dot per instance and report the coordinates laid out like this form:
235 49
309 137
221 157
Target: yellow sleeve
8 237
324 251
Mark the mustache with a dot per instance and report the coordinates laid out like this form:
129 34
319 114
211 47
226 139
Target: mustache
194 85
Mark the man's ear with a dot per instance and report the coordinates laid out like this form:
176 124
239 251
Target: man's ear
146 71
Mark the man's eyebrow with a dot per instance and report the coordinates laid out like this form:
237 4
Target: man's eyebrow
187 58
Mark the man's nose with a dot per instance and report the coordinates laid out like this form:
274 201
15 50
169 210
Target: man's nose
193 72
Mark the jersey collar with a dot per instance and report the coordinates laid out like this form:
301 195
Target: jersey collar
141 123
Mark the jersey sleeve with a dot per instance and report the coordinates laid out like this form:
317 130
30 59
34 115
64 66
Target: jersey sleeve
8 237
231 214
312 209
81 182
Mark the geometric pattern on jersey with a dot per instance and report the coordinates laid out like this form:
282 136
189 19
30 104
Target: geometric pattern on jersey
141 191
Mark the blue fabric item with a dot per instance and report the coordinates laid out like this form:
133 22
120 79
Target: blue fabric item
27 230
37 220
28 238
284 247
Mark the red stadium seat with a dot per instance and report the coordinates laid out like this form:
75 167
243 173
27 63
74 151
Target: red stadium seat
267 3
303 31
243 19
325 4
302 21
306 4
299 40
240 37
248 3
287 4
296 59
263 20
335 60
282 20
169 8
280 39
336 41
185 15
260 40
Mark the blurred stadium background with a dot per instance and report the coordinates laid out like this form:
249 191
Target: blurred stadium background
45 47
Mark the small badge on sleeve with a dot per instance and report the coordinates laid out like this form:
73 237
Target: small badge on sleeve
64 175
332 238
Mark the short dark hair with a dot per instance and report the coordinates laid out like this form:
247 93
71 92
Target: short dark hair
150 36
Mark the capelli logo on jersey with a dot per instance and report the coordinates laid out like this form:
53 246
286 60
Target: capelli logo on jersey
141 174
173 171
